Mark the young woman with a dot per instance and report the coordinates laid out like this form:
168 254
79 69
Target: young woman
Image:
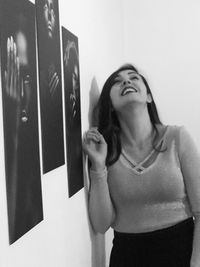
145 178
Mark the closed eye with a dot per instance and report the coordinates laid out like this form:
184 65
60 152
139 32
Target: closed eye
117 82
134 78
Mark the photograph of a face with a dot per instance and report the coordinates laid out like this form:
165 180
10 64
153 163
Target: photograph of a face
49 59
72 111
20 117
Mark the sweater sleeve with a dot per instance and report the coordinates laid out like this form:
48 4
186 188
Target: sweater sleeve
190 166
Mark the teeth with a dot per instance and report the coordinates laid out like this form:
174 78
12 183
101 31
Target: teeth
128 90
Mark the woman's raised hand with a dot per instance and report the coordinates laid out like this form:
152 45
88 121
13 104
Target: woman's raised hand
12 81
12 84
95 147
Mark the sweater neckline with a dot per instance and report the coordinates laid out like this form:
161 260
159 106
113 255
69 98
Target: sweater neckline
139 167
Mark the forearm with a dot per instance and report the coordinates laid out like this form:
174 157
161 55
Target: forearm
101 209
195 259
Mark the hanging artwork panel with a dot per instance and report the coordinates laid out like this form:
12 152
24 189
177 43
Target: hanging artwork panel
20 116
48 38
72 111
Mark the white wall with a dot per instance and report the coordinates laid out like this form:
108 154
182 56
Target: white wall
64 238
163 39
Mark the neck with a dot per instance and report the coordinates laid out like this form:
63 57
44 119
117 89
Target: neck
136 126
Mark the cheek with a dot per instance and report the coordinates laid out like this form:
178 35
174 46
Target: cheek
73 83
112 95
53 22
143 89
46 16
114 99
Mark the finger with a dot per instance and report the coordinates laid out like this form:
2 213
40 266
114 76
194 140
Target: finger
53 77
8 66
101 139
92 137
85 138
11 66
8 53
18 80
93 133
65 55
87 144
27 92
94 130
54 86
15 72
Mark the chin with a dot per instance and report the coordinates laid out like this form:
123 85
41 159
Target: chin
50 34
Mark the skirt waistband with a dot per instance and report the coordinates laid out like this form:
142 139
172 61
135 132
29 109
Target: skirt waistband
178 228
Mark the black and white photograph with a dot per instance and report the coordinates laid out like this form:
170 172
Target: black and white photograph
72 111
50 85
20 117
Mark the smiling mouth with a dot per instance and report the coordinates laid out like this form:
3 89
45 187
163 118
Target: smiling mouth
128 90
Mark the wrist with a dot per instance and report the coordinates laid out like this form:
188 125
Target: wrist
98 167
98 175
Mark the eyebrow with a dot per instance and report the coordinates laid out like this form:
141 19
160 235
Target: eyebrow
132 72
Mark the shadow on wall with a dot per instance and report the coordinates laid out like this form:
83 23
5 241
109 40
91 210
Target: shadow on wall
94 97
98 253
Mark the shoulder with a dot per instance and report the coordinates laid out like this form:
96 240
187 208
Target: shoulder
162 128
169 132
180 131
183 139
176 130
174 133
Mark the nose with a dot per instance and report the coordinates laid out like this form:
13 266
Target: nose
49 14
126 81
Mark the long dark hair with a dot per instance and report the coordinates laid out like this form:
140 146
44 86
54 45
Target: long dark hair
108 123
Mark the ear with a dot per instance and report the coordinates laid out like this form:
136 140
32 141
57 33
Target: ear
149 98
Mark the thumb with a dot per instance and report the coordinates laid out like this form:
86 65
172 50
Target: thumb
101 139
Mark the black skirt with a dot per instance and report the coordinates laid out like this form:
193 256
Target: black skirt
169 247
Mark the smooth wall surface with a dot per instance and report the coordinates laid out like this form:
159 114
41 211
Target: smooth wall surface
64 237
162 38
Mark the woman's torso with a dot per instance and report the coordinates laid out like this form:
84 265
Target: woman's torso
149 195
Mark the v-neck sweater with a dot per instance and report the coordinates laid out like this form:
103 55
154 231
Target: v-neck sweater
161 194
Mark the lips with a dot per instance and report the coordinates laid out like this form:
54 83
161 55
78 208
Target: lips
49 27
128 90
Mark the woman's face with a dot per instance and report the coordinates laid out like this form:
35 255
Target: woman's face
49 17
128 89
